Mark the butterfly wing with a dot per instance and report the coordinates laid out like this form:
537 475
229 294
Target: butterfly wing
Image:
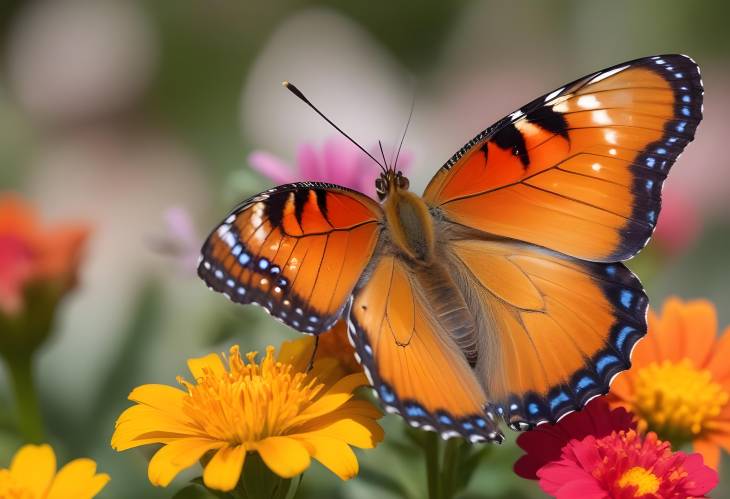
579 170
416 368
297 250
556 329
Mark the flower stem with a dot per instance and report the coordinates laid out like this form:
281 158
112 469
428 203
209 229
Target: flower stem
433 471
449 470
30 423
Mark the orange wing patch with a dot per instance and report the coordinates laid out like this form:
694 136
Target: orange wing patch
579 170
561 328
416 369
297 250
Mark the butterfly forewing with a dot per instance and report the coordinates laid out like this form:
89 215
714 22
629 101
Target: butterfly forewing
579 170
297 250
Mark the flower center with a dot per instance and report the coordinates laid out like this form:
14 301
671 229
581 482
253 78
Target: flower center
677 400
250 401
644 480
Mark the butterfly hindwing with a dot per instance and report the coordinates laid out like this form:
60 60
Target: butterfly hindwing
413 364
296 250
559 329
579 170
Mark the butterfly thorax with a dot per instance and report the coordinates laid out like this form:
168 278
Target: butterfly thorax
409 223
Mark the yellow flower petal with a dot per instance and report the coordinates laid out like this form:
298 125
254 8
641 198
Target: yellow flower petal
358 431
78 479
176 456
340 393
284 456
33 467
333 453
163 397
224 470
255 404
363 408
211 362
139 421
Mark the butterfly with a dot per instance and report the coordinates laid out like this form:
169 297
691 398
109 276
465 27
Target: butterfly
500 292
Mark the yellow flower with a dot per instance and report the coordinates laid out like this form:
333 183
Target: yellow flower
679 385
32 475
273 407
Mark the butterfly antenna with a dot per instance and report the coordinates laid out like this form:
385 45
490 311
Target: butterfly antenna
299 94
410 115
382 153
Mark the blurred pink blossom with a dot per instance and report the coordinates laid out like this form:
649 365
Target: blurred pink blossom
337 162
679 223
180 240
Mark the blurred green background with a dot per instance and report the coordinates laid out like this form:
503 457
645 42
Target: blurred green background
120 113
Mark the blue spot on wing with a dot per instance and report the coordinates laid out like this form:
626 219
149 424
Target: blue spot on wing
622 335
605 361
387 394
585 382
415 411
244 259
557 400
626 297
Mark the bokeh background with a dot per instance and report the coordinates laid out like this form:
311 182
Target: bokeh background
138 116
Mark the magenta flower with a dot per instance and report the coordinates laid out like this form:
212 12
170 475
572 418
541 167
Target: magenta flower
337 162
679 223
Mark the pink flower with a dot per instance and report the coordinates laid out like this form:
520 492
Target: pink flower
626 465
545 443
180 240
679 222
337 162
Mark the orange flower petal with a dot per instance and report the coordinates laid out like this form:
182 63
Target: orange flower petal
700 331
648 350
621 388
669 331
718 364
710 452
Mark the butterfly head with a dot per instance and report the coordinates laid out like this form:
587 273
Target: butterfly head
390 181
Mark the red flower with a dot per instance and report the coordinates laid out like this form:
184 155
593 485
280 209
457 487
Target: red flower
30 253
545 443
625 465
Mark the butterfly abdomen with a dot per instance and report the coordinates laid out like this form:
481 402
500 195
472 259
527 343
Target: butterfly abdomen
449 308
410 225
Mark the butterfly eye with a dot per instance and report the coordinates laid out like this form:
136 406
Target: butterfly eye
380 187
403 182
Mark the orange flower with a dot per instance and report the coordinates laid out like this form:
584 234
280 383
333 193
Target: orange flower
679 386
334 344
30 253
